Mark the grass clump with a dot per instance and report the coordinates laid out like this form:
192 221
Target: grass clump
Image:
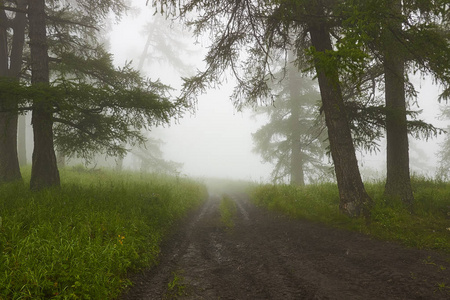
79 242
228 211
427 227
175 288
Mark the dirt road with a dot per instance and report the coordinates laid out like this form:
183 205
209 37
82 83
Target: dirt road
268 256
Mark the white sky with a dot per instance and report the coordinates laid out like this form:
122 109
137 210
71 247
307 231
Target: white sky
216 141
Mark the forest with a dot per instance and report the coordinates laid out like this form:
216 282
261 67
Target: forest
88 198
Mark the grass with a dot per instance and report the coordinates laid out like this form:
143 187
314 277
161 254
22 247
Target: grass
427 228
175 288
228 211
79 242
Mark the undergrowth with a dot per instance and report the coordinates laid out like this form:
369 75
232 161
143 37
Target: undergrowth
426 227
228 211
79 241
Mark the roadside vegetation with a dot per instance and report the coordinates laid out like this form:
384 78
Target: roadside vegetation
426 227
79 241
228 211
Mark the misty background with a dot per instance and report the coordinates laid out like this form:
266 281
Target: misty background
215 140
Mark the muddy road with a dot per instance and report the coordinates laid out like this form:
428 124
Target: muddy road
268 256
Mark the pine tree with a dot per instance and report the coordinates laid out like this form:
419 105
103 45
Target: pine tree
86 105
294 138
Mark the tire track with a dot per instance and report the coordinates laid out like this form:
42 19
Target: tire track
268 256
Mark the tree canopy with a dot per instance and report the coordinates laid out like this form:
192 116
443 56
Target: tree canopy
91 104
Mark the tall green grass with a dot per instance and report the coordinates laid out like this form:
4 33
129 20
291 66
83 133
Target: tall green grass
428 226
79 242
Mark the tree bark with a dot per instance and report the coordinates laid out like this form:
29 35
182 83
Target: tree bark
22 140
10 66
297 169
398 180
354 200
44 170
9 163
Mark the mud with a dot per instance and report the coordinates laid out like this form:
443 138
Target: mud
268 256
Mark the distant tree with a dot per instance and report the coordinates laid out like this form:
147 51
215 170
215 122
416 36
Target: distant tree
443 170
151 158
164 47
293 139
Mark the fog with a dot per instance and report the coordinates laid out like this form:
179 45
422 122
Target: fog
216 140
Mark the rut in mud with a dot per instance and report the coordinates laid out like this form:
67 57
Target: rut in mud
268 256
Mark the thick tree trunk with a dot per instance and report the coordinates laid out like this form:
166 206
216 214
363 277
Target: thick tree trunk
44 171
10 67
398 181
354 201
297 170
9 164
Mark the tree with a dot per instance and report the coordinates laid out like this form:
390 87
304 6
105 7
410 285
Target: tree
44 171
165 45
151 159
443 171
294 137
354 199
256 28
87 105
402 36
11 49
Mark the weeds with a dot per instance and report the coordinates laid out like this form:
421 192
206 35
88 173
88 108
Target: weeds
78 242
175 286
228 211
425 228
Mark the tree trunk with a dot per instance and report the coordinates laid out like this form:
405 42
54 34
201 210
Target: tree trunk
9 164
22 140
297 170
398 180
354 201
44 170
10 67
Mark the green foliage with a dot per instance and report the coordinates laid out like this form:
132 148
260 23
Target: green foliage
175 286
427 227
228 211
79 242
99 108
96 107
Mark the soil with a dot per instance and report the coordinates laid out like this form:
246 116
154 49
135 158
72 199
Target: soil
266 255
